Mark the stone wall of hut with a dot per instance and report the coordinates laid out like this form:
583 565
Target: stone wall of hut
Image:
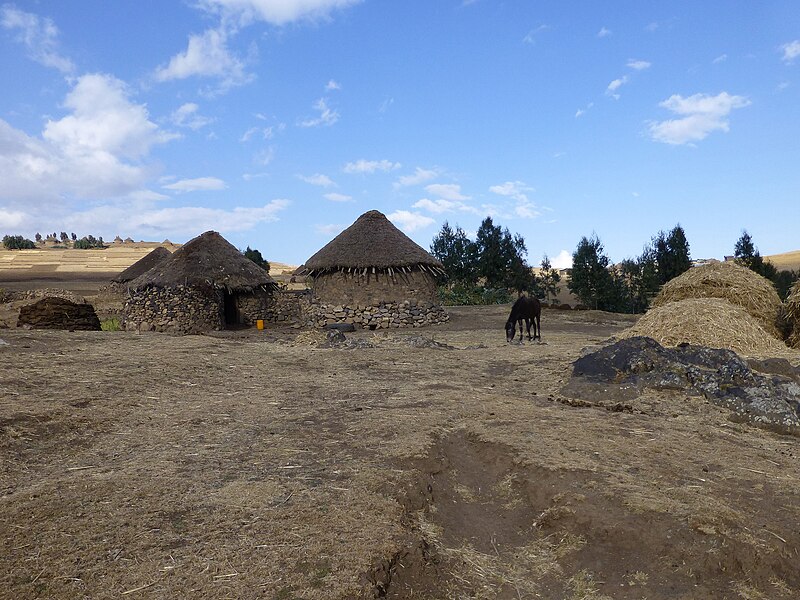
373 289
384 315
254 306
180 309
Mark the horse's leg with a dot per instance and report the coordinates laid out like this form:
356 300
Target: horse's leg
528 325
520 330
537 327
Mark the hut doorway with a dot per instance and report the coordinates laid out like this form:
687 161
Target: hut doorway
231 310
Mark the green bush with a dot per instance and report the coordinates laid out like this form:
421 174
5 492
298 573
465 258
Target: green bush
471 295
17 242
112 324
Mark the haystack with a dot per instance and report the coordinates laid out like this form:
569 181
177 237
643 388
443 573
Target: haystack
58 313
710 322
143 265
736 284
370 267
206 284
793 314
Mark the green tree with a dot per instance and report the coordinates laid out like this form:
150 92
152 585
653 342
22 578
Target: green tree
748 256
549 279
591 280
17 242
671 254
457 253
501 258
256 257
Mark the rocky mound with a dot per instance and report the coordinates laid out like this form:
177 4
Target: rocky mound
769 398
58 313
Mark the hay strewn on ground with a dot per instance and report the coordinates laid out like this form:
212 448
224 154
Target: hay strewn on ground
711 322
793 313
736 284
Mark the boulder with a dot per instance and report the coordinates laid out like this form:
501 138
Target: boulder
764 393
58 313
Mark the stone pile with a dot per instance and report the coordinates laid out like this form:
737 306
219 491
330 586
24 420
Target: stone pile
409 313
58 313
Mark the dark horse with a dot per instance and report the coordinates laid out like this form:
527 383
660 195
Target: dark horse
528 310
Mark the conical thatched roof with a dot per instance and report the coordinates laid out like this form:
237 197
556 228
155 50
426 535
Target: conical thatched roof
372 242
208 259
143 265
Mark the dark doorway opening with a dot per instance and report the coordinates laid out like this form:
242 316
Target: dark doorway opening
231 311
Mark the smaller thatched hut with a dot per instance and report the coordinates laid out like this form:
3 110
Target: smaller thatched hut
206 284
374 275
143 265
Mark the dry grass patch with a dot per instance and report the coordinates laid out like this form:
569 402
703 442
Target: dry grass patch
711 322
736 284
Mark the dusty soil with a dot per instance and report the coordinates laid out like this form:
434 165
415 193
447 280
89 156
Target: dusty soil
254 464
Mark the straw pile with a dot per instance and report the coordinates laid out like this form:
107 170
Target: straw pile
793 314
710 322
729 281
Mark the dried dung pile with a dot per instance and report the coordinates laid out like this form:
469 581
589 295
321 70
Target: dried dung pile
58 313
793 314
734 283
711 322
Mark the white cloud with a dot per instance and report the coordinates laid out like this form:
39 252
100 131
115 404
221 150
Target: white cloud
791 50
327 116
562 261
582 111
603 32
419 176
332 85
207 55
12 219
442 205
385 105
370 166
95 151
267 133
530 38
701 114
518 191
615 85
410 221
448 191
276 12
318 179
720 58
39 35
187 116
195 185
334 197
264 157
638 65
193 219
330 230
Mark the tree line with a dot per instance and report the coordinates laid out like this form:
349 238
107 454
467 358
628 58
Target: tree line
493 266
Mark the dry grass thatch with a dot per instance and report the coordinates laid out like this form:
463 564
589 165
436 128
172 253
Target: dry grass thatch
729 281
793 314
143 265
711 322
207 259
372 242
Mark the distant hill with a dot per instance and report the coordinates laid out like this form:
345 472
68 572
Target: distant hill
785 260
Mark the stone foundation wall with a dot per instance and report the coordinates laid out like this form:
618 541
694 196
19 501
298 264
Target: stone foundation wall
373 289
385 315
176 310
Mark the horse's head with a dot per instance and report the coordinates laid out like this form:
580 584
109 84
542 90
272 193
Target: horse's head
511 330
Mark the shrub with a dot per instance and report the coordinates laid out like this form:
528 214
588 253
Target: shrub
111 324
17 242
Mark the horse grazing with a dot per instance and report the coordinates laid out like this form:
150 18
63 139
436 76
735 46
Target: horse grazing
525 309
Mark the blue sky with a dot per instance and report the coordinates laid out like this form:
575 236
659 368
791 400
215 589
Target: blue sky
278 122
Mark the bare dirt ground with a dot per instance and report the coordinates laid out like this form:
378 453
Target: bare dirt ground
254 464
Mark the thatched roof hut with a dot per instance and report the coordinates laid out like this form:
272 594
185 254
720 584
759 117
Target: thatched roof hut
374 268
205 284
209 259
143 265
738 285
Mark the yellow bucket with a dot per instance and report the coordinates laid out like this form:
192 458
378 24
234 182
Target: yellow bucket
260 324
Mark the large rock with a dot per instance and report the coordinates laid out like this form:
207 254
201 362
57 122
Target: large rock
622 370
58 313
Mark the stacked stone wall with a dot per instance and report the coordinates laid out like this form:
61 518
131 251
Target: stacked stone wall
385 315
374 289
180 309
